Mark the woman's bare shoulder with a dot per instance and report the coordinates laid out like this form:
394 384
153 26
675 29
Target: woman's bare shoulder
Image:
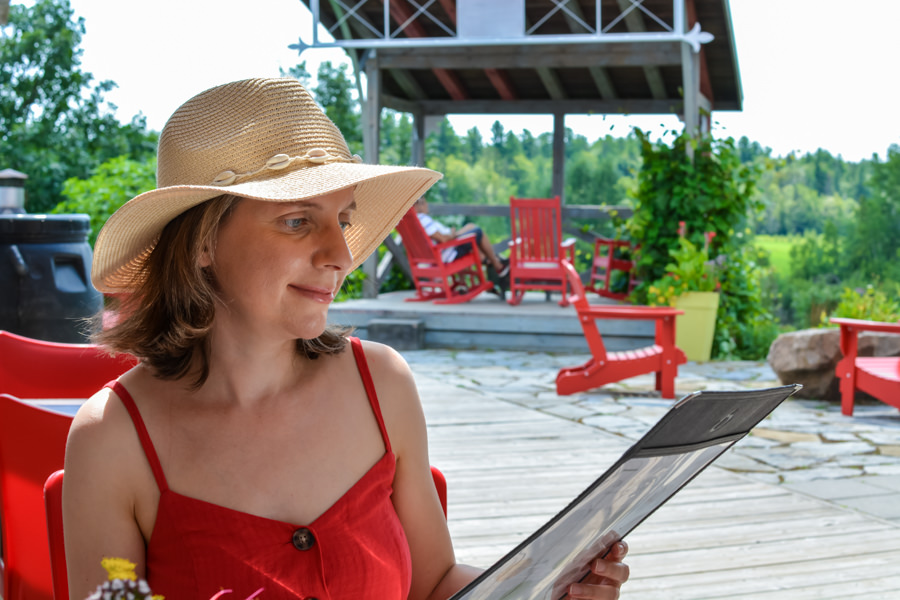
398 396
102 431
390 373
95 432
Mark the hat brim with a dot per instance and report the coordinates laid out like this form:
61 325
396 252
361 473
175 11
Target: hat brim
383 195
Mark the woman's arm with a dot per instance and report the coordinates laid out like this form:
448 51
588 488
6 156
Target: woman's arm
436 574
103 464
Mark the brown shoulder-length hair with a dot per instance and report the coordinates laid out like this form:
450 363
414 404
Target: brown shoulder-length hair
166 321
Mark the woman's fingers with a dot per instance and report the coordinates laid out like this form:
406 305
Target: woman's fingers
618 551
607 576
612 573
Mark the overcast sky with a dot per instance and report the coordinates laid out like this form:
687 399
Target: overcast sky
815 73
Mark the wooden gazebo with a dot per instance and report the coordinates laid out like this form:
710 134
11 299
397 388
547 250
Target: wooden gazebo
432 58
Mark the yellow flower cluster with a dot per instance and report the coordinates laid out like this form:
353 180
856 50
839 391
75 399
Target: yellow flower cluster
664 295
119 568
123 583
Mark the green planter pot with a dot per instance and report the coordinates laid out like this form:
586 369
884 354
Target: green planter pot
694 330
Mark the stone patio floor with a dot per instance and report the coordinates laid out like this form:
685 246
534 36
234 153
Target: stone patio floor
805 445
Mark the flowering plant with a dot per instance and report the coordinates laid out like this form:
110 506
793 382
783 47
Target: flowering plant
123 584
690 270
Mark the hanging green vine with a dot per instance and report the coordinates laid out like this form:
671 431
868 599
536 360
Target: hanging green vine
702 182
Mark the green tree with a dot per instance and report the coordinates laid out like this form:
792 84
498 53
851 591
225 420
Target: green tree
396 138
443 143
473 145
54 121
113 183
336 94
874 248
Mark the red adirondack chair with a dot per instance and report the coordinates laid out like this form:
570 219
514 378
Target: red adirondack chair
605 263
445 283
537 249
662 358
878 376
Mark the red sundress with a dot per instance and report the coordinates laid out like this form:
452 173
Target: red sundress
355 550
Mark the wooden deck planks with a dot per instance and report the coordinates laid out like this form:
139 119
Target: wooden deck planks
511 468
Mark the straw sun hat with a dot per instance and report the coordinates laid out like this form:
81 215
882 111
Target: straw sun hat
264 139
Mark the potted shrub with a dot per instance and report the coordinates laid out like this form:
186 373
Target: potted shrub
691 283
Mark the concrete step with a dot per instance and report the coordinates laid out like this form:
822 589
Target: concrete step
485 323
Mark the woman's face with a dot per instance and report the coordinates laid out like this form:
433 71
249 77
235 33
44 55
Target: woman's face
279 265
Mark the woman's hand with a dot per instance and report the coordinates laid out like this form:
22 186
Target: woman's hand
606 577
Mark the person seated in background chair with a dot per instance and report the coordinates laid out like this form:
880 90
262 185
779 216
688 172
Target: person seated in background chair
441 233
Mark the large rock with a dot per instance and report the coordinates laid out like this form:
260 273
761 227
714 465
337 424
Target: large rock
809 357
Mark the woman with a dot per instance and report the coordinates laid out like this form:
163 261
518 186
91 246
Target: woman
255 448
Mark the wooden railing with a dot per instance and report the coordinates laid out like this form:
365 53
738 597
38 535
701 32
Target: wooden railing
378 271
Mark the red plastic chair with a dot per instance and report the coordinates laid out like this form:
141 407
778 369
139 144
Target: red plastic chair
53 503
537 250
440 484
605 263
662 358
445 283
32 368
32 446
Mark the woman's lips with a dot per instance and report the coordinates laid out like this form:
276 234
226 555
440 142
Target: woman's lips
323 295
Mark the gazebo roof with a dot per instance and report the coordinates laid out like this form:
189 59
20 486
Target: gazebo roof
461 56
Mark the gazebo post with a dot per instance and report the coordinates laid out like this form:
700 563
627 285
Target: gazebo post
371 144
559 155
417 151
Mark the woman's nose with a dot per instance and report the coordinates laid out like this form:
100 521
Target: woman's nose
333 250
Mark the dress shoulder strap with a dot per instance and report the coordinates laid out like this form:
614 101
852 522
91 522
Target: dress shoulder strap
144 436
366 376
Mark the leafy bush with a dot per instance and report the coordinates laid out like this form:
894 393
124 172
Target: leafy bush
745 327
870 304
353 286
807 302
113 184
713 192
689 270
817 256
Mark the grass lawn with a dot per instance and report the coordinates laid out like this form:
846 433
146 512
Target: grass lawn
779 248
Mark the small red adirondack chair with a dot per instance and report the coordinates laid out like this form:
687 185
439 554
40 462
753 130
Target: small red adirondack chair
662 358
445 283
878 376
605 263
537 250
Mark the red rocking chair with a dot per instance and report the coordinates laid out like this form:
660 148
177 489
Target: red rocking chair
537 250
662 358
445 283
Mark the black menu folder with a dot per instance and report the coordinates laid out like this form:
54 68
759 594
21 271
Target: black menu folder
686 440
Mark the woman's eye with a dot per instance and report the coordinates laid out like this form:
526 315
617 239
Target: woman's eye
295 223
345 225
